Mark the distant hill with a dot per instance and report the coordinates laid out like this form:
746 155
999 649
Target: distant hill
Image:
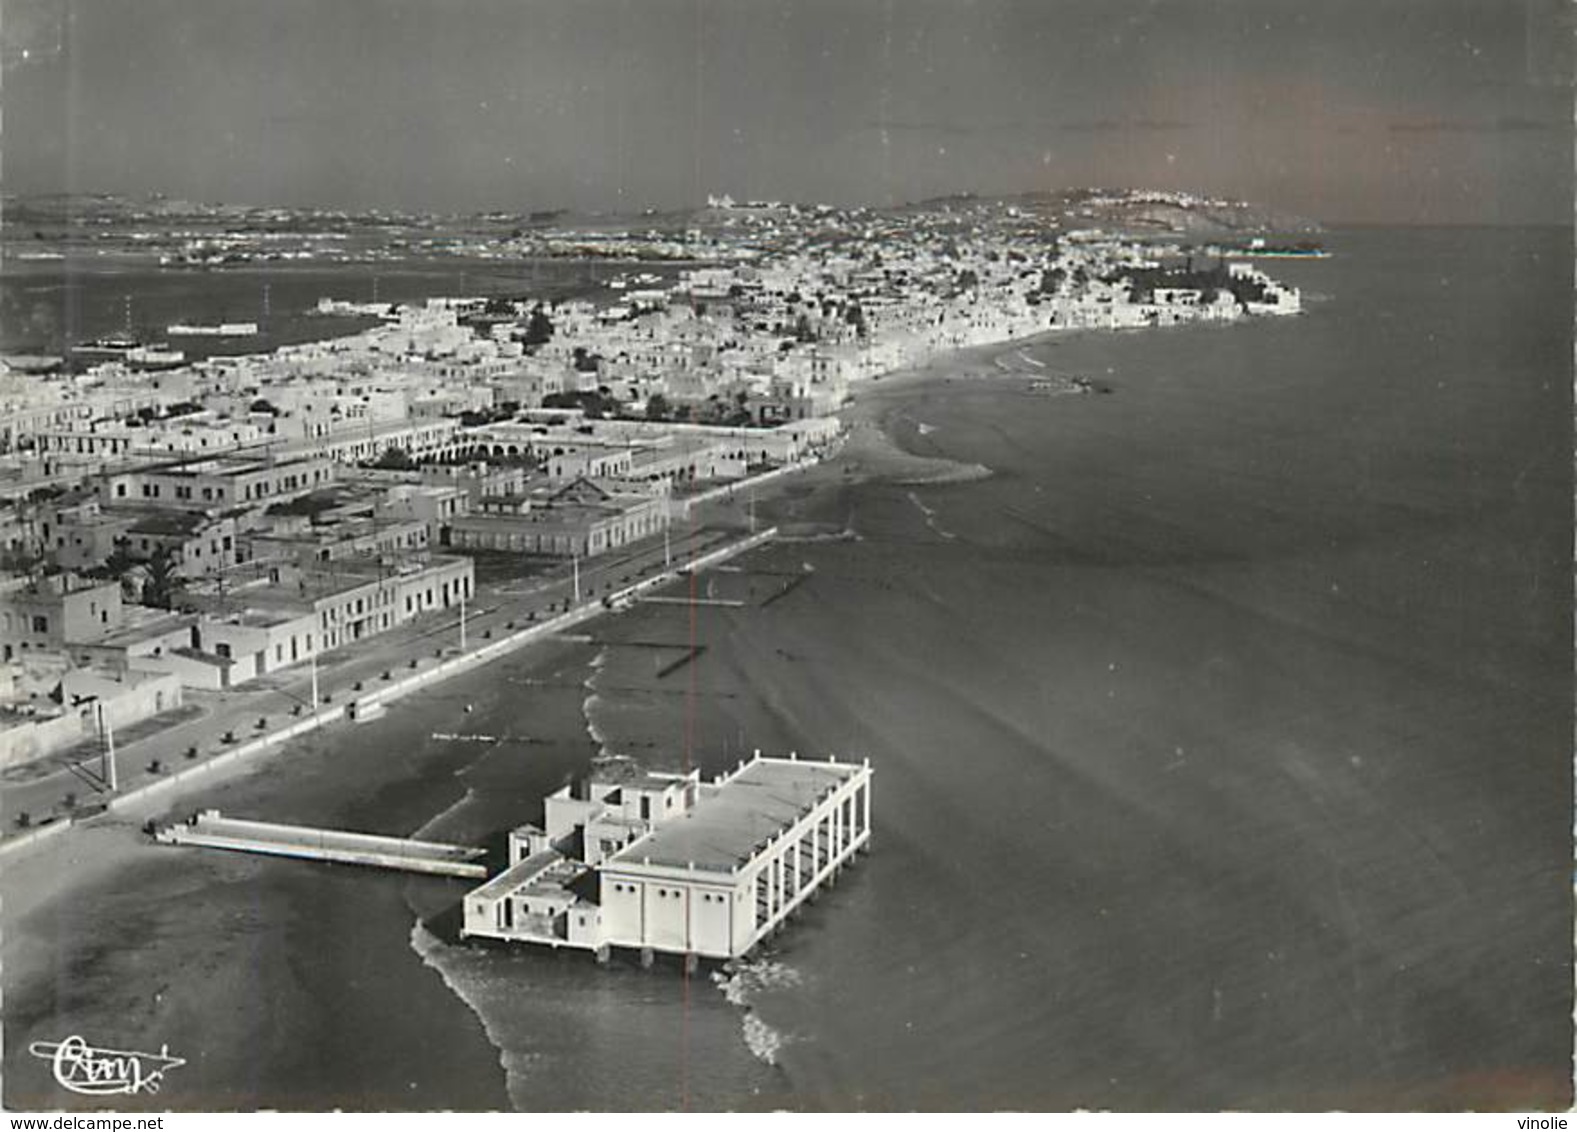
64 217
1147 210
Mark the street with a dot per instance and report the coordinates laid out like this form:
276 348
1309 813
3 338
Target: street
276 699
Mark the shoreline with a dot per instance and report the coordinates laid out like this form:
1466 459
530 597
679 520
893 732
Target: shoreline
46 870
109 853
1249 699
251 754
872 447
875 454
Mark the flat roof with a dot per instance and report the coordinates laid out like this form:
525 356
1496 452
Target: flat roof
647 780
260 618
557 518
310 582
159 522
140 628
522 872
732 821
260 458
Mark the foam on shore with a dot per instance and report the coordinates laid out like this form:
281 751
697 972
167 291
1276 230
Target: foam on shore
871 453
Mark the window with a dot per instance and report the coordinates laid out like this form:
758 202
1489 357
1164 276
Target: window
40 623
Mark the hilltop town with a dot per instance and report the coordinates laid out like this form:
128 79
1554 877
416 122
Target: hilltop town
176 529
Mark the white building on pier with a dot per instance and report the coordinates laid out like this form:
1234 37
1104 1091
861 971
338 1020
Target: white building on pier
669 863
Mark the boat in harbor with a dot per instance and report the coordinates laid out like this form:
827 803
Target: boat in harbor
155 357
1058 385
32 363
110 346
221 330
1303 249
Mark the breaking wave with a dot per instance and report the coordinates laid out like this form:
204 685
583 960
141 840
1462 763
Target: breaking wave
743 981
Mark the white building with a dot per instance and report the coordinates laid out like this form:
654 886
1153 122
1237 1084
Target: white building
666 862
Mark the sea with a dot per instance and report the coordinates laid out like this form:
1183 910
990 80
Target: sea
48 306
1221 737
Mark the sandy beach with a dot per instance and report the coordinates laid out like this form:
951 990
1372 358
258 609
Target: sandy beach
229 929
283 985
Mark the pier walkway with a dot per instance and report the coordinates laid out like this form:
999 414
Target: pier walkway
659 599
213 830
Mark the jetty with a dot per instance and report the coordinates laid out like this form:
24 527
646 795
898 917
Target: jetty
662 599
211 829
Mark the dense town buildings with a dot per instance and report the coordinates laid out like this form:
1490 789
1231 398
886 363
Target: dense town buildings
211 521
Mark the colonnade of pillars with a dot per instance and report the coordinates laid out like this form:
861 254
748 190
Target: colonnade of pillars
827 838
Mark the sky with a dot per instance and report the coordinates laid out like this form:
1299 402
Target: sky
1379 111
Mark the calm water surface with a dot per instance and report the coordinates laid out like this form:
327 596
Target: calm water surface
1221 737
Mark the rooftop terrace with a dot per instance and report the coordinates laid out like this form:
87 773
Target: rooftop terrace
734 820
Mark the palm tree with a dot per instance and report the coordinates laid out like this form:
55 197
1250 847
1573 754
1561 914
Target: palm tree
163 586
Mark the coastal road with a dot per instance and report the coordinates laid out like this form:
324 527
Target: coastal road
278 698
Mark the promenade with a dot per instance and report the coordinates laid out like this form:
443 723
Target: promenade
508 613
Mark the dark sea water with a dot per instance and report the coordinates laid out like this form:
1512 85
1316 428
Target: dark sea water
48 306
1222 746
1222 735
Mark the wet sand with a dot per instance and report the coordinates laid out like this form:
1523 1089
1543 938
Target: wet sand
286 984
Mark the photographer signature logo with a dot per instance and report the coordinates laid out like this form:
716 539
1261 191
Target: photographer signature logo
104 1072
